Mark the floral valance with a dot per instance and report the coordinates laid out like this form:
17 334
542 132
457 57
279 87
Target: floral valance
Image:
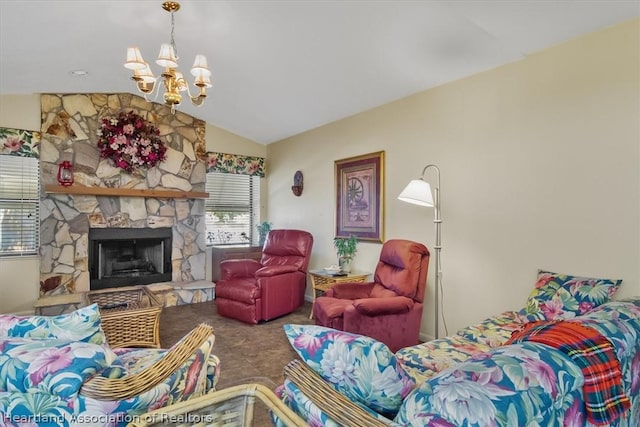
233 163
18 142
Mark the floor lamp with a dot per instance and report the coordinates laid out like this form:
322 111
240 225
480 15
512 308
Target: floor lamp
418 192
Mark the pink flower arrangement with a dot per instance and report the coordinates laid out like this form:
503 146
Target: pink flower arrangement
130 141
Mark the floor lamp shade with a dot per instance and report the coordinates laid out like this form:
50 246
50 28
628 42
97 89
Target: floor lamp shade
417 192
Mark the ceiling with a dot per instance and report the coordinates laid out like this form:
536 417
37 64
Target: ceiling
284 67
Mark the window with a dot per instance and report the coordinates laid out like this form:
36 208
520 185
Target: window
19 205
232 209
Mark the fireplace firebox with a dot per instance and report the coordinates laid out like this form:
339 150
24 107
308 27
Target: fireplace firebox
129 256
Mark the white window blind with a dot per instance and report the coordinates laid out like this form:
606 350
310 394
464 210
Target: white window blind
232 209
19 205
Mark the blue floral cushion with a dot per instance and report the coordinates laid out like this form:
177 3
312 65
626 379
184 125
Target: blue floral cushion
507 386
52 366
363 369
561 296
80 325
35 409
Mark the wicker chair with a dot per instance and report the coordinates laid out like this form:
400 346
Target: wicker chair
94 380
342 410
102 388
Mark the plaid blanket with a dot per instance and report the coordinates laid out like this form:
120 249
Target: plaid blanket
605 400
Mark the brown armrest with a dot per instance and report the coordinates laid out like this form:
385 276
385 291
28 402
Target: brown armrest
101 388
341 410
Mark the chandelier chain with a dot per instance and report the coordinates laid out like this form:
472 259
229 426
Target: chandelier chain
173 42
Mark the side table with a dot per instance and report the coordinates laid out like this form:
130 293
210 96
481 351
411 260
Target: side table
321 281
130 315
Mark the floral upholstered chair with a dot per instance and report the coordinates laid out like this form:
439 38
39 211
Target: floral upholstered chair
60 371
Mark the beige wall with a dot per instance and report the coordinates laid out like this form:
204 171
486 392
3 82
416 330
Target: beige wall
20 111
540 169
19 276
223 141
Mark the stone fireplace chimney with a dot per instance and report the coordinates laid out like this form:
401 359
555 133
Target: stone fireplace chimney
169 195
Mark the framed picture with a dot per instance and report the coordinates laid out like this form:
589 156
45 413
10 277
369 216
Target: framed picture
360 197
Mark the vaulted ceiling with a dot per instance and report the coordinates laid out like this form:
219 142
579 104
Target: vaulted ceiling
284 67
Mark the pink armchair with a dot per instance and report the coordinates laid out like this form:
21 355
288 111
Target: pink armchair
388 309
252 291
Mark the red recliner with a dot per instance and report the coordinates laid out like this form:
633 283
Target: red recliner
388 309
253 291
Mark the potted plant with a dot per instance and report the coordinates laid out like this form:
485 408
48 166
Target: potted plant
263 229
346 248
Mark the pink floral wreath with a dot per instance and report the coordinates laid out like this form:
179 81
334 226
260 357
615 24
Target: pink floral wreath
130 141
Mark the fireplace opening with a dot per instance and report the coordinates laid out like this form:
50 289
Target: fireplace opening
129 256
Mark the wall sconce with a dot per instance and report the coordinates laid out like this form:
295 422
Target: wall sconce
65 173
297 184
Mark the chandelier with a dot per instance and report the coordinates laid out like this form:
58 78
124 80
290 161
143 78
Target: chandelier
173 80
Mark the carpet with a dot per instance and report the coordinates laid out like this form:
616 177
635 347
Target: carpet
248 353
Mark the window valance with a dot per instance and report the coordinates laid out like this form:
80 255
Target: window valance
233 163
18 142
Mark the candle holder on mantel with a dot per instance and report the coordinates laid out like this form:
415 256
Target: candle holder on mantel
65 173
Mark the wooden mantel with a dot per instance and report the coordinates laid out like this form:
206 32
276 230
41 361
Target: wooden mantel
124 192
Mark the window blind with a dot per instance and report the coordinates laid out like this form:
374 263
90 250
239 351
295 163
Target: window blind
19 205
232 209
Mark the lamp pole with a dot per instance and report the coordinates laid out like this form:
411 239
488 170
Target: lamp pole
438 224
418 192
438 246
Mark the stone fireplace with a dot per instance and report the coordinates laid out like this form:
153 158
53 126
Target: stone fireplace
107 201
129 256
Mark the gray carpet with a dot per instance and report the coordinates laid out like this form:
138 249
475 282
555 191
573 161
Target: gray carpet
248 353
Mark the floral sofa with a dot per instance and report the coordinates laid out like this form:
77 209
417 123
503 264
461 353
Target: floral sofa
59 371
499 372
